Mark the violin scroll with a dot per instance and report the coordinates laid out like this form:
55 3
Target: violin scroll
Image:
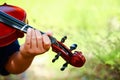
75 59
12 21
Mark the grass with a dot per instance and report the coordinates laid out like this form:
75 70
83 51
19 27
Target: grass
92 24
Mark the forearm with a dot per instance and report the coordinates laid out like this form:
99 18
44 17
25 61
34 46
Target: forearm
35 44
18 63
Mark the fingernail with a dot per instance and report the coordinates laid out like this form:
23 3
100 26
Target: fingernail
29 29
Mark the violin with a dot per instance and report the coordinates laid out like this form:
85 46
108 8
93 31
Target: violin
13 26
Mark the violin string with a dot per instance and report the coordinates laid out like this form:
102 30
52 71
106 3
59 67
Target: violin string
11 21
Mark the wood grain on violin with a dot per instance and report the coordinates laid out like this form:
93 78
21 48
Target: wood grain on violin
12 26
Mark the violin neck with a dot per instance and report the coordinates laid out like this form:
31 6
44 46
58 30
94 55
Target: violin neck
13 22
17 24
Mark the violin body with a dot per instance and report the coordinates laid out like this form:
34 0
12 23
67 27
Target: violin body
13 26
8 34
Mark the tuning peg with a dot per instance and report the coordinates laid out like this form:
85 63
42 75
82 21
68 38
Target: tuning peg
56 57
64 66
73 46
63 39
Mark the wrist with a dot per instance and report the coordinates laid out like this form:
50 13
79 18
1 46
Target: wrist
26 55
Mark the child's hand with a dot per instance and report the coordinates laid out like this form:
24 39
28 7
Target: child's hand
35 43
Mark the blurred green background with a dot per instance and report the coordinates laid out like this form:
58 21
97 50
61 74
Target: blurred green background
93 24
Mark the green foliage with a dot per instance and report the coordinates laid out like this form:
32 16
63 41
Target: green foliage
108 53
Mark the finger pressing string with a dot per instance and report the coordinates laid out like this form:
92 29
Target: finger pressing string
46 42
